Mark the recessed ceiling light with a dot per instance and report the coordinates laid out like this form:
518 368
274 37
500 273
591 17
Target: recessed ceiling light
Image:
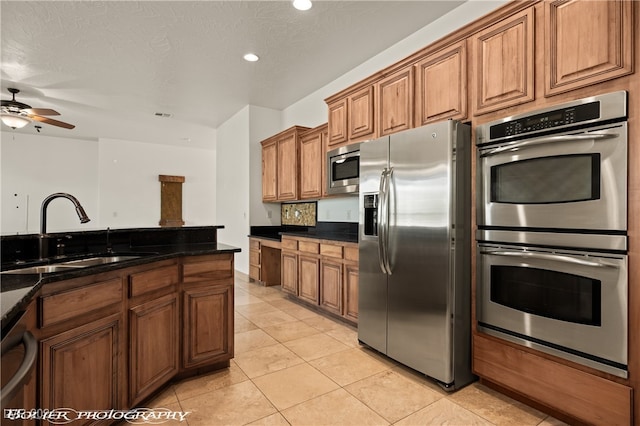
251 57
302 4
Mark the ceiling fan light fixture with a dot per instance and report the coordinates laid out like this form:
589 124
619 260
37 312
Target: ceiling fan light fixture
14 121
302 4
251 57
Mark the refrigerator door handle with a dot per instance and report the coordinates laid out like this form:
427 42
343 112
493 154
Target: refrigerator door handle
386 220
381 222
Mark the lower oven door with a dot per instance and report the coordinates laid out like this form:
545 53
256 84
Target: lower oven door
571 304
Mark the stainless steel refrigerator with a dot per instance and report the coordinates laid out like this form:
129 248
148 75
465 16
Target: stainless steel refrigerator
414 225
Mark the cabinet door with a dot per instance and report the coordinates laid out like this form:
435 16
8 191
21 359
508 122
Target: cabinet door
586 42
82 368
338 131
287 186
289 278
351 291
308 278
394 105
153 346
311 164
331 286
360 114
254 259
504 67
208 325
269 170
441 85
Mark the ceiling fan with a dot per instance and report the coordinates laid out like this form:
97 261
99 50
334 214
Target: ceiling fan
17 115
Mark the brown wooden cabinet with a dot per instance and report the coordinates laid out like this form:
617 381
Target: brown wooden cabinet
322 273
503 59
441 85
331 279
394 103
83 346
270 170
281 165
264 261
351 116
308 278
153 345
586 42
207 310
82 367
154 328
312 162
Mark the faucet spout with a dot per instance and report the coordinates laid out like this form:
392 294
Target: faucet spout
82 215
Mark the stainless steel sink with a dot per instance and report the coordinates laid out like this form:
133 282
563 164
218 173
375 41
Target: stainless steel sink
42 269
71 265
99 260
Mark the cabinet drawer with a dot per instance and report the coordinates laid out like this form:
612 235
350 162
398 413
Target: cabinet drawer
69 304
207 268
351 253
289 244
331 250
254 257
309 247
254 244
155 279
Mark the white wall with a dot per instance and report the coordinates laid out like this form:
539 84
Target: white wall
35 166
130 191
107 176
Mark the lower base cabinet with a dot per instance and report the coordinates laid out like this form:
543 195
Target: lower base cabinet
207 317
323 273
82 368
153 345
112 340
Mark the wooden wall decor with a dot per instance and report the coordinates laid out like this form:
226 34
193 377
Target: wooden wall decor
171 200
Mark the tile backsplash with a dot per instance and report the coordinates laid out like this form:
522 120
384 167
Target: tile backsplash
302 214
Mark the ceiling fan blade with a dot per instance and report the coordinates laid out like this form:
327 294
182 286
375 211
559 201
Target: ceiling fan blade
41 111
52 121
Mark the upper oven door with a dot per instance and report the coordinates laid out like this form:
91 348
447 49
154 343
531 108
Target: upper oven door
343 169
572 180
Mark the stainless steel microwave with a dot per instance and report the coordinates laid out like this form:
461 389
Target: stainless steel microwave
343 169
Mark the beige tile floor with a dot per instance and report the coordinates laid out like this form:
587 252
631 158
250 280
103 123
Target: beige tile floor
293 366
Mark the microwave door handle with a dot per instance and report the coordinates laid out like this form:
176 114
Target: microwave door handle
553 257
550 139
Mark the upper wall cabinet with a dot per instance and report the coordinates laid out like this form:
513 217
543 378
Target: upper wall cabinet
394 103
280 165
312 162
351 116
586 42
503 73
441 85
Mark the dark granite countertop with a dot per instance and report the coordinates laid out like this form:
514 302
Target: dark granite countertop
17 290
337 231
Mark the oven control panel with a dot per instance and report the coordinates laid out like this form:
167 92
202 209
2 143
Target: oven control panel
547 120
592 111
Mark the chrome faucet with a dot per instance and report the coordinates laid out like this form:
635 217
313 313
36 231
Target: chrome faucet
43 218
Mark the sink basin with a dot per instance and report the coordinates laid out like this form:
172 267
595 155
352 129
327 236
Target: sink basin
95 261
42 269
71 265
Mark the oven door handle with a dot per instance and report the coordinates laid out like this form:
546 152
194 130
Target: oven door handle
22 375
553 257
549 139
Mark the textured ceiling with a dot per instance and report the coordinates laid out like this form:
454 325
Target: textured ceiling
110 65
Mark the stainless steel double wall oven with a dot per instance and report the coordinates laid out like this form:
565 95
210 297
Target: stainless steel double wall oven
552 230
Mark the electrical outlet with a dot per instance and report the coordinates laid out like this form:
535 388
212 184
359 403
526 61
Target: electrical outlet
348 214
269 214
